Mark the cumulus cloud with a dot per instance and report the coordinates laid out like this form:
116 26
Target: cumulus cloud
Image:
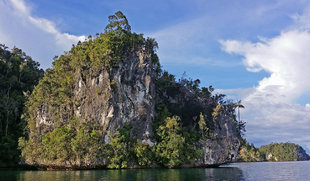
271 112
38 37
285 57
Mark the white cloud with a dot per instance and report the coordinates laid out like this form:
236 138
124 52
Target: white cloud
20 6
38 37
271 112
285 57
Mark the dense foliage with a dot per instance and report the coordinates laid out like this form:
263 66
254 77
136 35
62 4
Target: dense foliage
272 152
18 75
280 152
79 143
171 150
248 153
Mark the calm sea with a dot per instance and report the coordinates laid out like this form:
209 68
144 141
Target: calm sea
263 171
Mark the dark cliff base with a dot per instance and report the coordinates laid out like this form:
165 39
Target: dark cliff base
20 167
50 168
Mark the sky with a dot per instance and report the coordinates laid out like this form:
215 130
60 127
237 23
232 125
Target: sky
254 51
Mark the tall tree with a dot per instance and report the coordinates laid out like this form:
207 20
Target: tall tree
239 105
18 75
118 22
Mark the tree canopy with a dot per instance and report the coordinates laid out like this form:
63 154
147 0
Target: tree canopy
272 152
18 75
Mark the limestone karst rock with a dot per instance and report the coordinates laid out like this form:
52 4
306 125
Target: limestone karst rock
115 80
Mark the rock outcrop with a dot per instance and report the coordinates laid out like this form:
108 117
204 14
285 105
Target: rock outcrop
302 155
112 81
222 142
112 98
222 148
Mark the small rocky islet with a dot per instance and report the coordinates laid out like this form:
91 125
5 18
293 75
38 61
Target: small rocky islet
108 103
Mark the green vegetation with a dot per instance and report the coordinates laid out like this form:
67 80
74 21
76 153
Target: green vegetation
144 154
170 149
248 153
79 142
56 144
272 152
280 152
18 75
120 150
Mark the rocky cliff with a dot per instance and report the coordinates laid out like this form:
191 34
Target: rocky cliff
110 98
79 113
302 155
221 138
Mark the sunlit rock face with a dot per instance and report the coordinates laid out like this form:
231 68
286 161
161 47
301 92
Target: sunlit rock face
223 147
125 95
112 98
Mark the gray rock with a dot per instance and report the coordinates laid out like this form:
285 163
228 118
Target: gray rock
112 98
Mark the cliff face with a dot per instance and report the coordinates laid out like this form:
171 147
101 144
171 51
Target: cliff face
302 155
223 147
112 98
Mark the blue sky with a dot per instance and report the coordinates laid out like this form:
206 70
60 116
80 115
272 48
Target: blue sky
202 55
256 51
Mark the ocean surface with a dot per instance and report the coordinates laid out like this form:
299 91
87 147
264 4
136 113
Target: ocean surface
260 171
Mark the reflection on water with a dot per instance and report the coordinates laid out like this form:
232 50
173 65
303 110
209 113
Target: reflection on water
223 173
275 171
232 174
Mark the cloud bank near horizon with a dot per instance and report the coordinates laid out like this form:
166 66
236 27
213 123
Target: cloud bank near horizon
272 112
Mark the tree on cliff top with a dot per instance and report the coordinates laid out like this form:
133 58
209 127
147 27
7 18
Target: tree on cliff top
118 22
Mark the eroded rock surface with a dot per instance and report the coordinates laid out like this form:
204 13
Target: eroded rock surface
112 98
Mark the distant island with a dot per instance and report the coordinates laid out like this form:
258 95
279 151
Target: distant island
272 152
